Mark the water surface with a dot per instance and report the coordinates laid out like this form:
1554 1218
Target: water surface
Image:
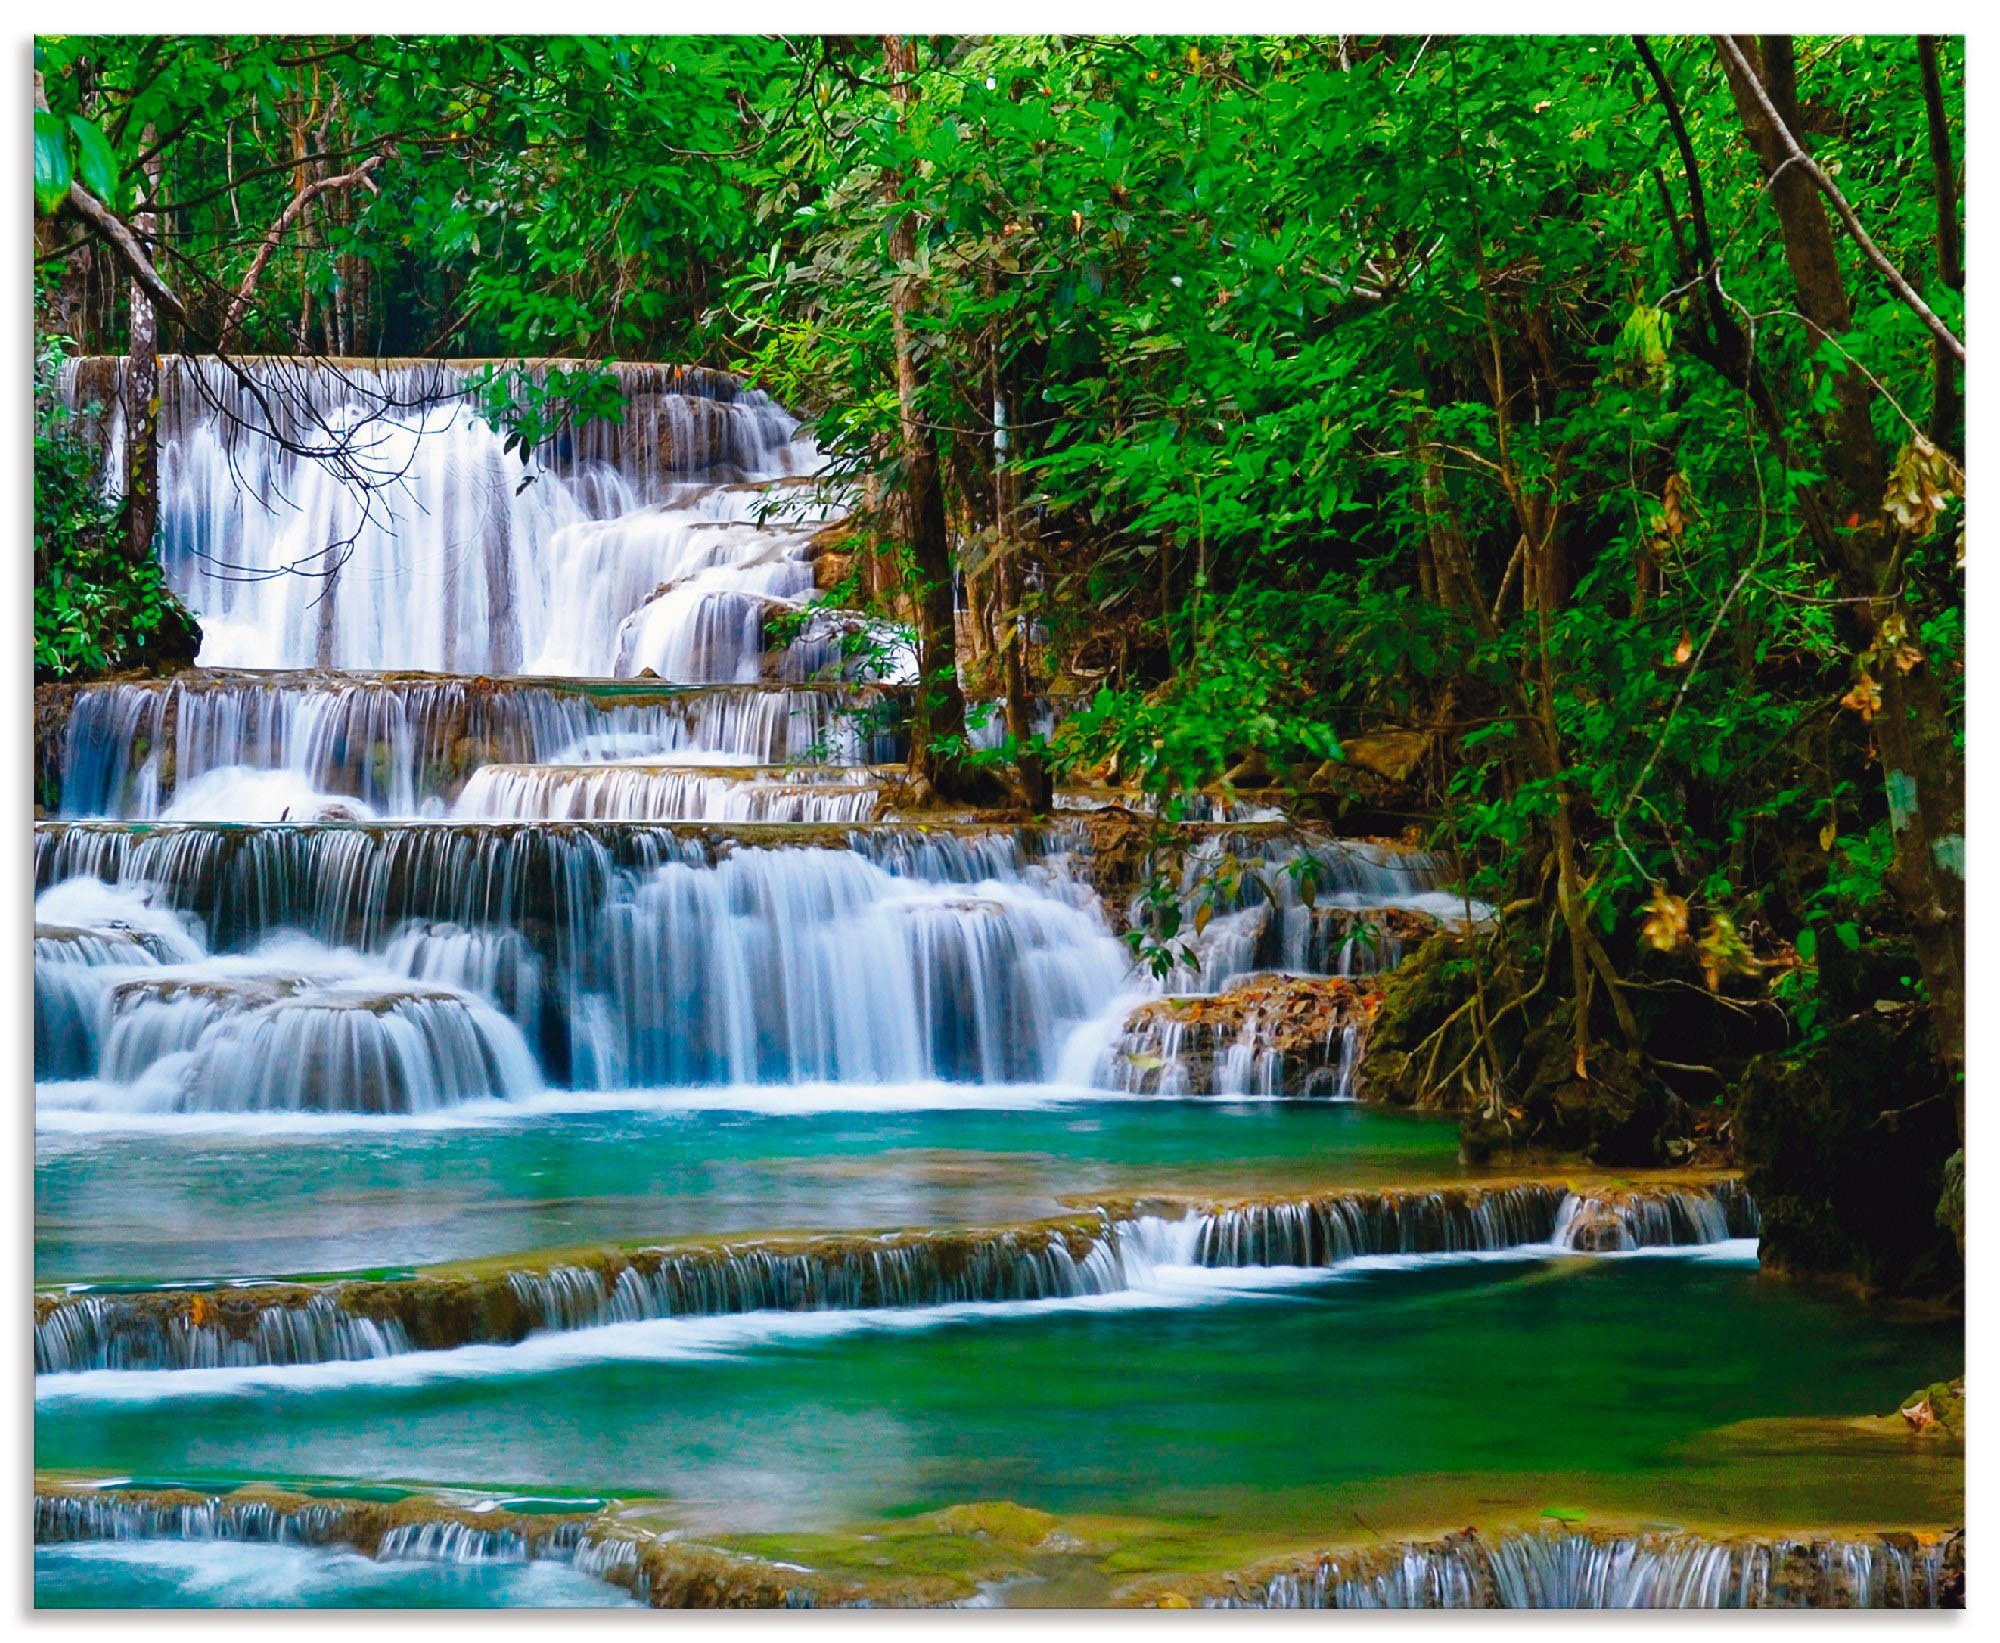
271 1196
1424 1392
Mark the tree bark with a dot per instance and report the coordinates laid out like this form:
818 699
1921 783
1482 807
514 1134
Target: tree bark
142 382
1947 401
1033 772
1921 769
938 709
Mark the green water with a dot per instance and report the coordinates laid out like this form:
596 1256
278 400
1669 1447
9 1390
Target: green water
229 1574
1428 1394
150 1203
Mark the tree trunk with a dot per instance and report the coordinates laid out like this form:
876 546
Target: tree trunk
1014 663
938 710
142 383
1947 402
1920 766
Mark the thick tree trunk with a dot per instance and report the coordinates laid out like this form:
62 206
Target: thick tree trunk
1920 766
939 707
142 384
1947 402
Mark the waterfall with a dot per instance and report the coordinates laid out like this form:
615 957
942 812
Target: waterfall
1122 1248
1267 1036
638 792
1298 906
366 517
787 965
1649 1219
665 957
1552 1569
193 747
437 1536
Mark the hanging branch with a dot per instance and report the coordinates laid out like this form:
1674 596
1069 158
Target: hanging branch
123 243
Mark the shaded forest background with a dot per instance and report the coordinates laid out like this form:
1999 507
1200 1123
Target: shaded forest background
1552 448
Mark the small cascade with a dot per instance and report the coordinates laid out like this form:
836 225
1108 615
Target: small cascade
1039 1264
221 746
1321 1231
1121 1248
450 1541
107 1516
103 1332
787 965
292 1028
1550 1569
407 1531
640 792
89 937
1328 1228
1304 907
1650 1219
1266 1037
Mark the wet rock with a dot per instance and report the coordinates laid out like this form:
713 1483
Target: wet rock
1272 1035
1391 754
1421 1028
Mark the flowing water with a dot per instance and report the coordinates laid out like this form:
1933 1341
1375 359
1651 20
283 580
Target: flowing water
494 1025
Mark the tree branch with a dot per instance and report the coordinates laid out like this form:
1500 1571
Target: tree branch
1795 155
240 303
123 242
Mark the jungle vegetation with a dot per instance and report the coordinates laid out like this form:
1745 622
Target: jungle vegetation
1572 428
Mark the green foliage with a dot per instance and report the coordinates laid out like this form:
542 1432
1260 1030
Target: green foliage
98 607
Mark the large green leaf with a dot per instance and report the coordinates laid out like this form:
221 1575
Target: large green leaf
52 168
96 165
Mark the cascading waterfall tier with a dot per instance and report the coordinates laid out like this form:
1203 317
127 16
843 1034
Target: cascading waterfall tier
414 1528
1571 1569
215 745
1282 902
277 1323
1327 1228
364 515
657 954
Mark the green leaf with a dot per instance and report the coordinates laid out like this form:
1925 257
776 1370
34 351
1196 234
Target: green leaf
52 168
96 165
1807 944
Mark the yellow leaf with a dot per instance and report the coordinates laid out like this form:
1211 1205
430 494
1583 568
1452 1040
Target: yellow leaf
1202 915
1827 836
1666 922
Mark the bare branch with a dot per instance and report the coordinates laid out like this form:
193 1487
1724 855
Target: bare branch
240 303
